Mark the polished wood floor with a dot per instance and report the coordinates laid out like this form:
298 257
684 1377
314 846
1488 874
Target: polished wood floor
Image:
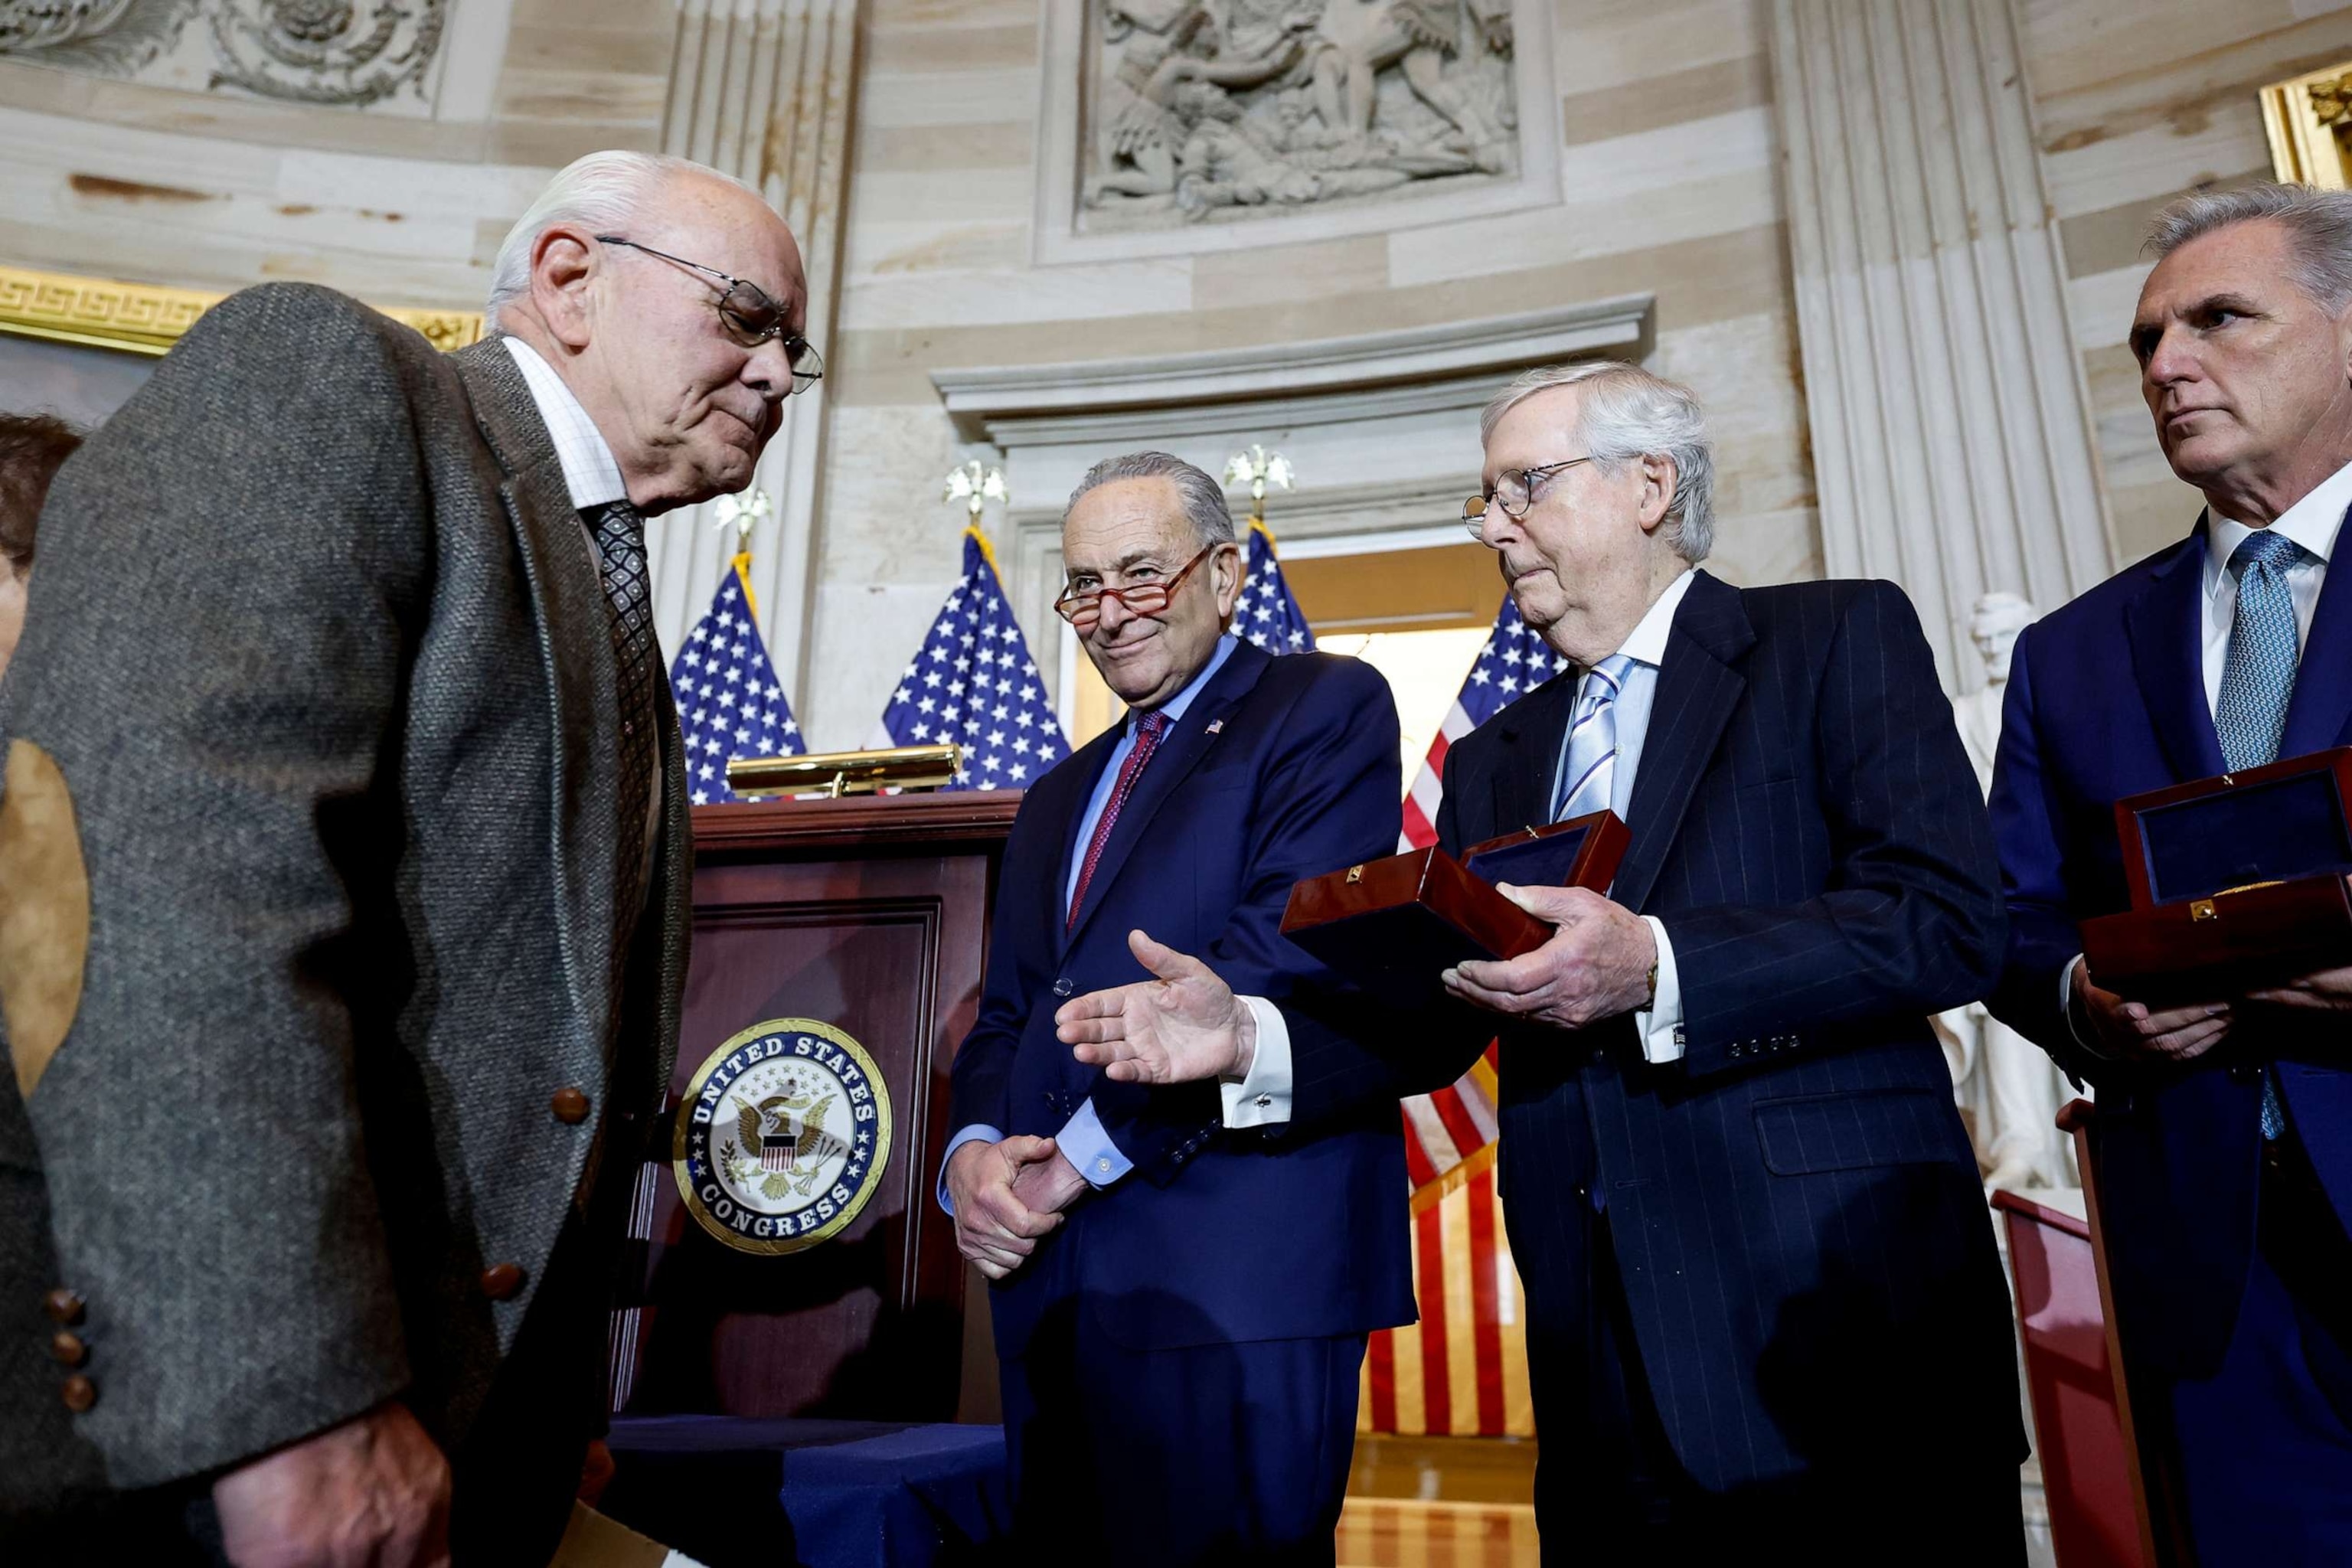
1402 1532
1440 1503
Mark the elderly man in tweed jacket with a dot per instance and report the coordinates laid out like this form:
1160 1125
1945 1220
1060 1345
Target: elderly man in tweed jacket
343 877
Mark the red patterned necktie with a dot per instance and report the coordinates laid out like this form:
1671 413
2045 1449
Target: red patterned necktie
1147 741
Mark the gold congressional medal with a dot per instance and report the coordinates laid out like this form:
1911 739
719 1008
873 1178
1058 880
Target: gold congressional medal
783 1136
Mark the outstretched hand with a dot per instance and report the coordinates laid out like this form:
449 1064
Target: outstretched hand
1184 1026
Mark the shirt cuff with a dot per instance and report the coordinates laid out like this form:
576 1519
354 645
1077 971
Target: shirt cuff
2066 1007
1262 1097
1088 1149
1661 1024
978 1132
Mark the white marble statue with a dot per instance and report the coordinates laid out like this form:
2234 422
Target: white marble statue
2005 1081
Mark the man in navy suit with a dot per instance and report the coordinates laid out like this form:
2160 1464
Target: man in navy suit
2224 1133
1765 1313
1185 1276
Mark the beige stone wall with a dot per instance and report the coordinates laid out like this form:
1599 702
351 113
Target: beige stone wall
2134 104
1670 186
210 190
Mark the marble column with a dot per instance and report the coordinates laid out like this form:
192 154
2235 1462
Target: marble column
1951 437
762 88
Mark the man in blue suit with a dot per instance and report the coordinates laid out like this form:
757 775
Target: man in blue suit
2224 1133
1184 1276
1765 1314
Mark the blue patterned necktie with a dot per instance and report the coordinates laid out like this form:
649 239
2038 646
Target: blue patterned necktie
2257 683
1588 767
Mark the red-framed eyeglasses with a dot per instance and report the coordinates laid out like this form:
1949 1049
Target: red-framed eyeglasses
1083 610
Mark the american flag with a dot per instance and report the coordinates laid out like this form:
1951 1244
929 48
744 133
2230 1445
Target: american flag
1461 1370
729 702
974 685
1268 613
1515 660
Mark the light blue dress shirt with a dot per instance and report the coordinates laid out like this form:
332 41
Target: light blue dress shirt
1082 1140
1660 1025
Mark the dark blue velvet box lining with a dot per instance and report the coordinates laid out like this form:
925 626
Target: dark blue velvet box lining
1545 862
2291 827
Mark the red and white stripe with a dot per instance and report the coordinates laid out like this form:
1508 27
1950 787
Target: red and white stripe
1461 1370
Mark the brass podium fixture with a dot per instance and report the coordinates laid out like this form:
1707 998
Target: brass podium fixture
836 773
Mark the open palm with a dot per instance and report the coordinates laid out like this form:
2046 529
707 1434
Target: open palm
1183 1026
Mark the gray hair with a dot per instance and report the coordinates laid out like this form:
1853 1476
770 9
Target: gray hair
604 192
1204 497
1628 413
2318 224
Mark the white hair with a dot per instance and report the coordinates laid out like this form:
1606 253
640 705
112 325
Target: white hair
2318 224
604 192
1628 413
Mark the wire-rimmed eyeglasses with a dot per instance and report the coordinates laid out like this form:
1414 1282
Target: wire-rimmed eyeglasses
1513 492
751 313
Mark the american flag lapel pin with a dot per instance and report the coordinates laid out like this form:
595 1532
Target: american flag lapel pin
1216 726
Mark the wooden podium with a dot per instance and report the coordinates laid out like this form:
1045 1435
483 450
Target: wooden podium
868 915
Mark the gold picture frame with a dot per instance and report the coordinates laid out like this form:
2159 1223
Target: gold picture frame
2309 119
147 318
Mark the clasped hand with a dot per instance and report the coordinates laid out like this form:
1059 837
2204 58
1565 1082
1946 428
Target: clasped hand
1008 1195
1597 964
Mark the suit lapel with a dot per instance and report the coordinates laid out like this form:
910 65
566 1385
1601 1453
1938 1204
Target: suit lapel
576 653
1188 740
2321 711
674 884
1533 728
1061 798
2168 642
1699 686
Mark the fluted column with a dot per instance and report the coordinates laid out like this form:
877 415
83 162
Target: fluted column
1952 446
762 88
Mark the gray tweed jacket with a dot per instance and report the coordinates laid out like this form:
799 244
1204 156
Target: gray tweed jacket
320 653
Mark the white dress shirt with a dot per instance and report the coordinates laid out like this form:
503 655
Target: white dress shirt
2313 522
593 479
1659 1026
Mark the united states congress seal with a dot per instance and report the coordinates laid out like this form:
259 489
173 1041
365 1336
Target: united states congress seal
783 1136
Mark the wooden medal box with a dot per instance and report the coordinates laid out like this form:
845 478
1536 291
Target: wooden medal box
1394 925
2235 881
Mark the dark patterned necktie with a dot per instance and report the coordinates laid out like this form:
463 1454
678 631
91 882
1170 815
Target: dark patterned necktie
2257 685
1147 741
620 530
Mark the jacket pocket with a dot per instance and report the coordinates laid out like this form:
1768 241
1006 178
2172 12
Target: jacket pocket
1806 1134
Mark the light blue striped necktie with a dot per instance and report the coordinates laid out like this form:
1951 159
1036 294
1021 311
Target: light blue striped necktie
2257 684
1588 763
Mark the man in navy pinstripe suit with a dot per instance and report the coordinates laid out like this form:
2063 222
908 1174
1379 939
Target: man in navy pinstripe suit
1765 1311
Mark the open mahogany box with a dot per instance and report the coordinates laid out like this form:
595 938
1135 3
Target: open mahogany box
1394 925
2235 881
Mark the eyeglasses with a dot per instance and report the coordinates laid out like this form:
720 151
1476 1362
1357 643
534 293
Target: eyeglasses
751 315
1513 492
1083 610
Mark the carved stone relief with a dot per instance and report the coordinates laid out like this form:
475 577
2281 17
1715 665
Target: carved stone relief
1217 110
344 53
